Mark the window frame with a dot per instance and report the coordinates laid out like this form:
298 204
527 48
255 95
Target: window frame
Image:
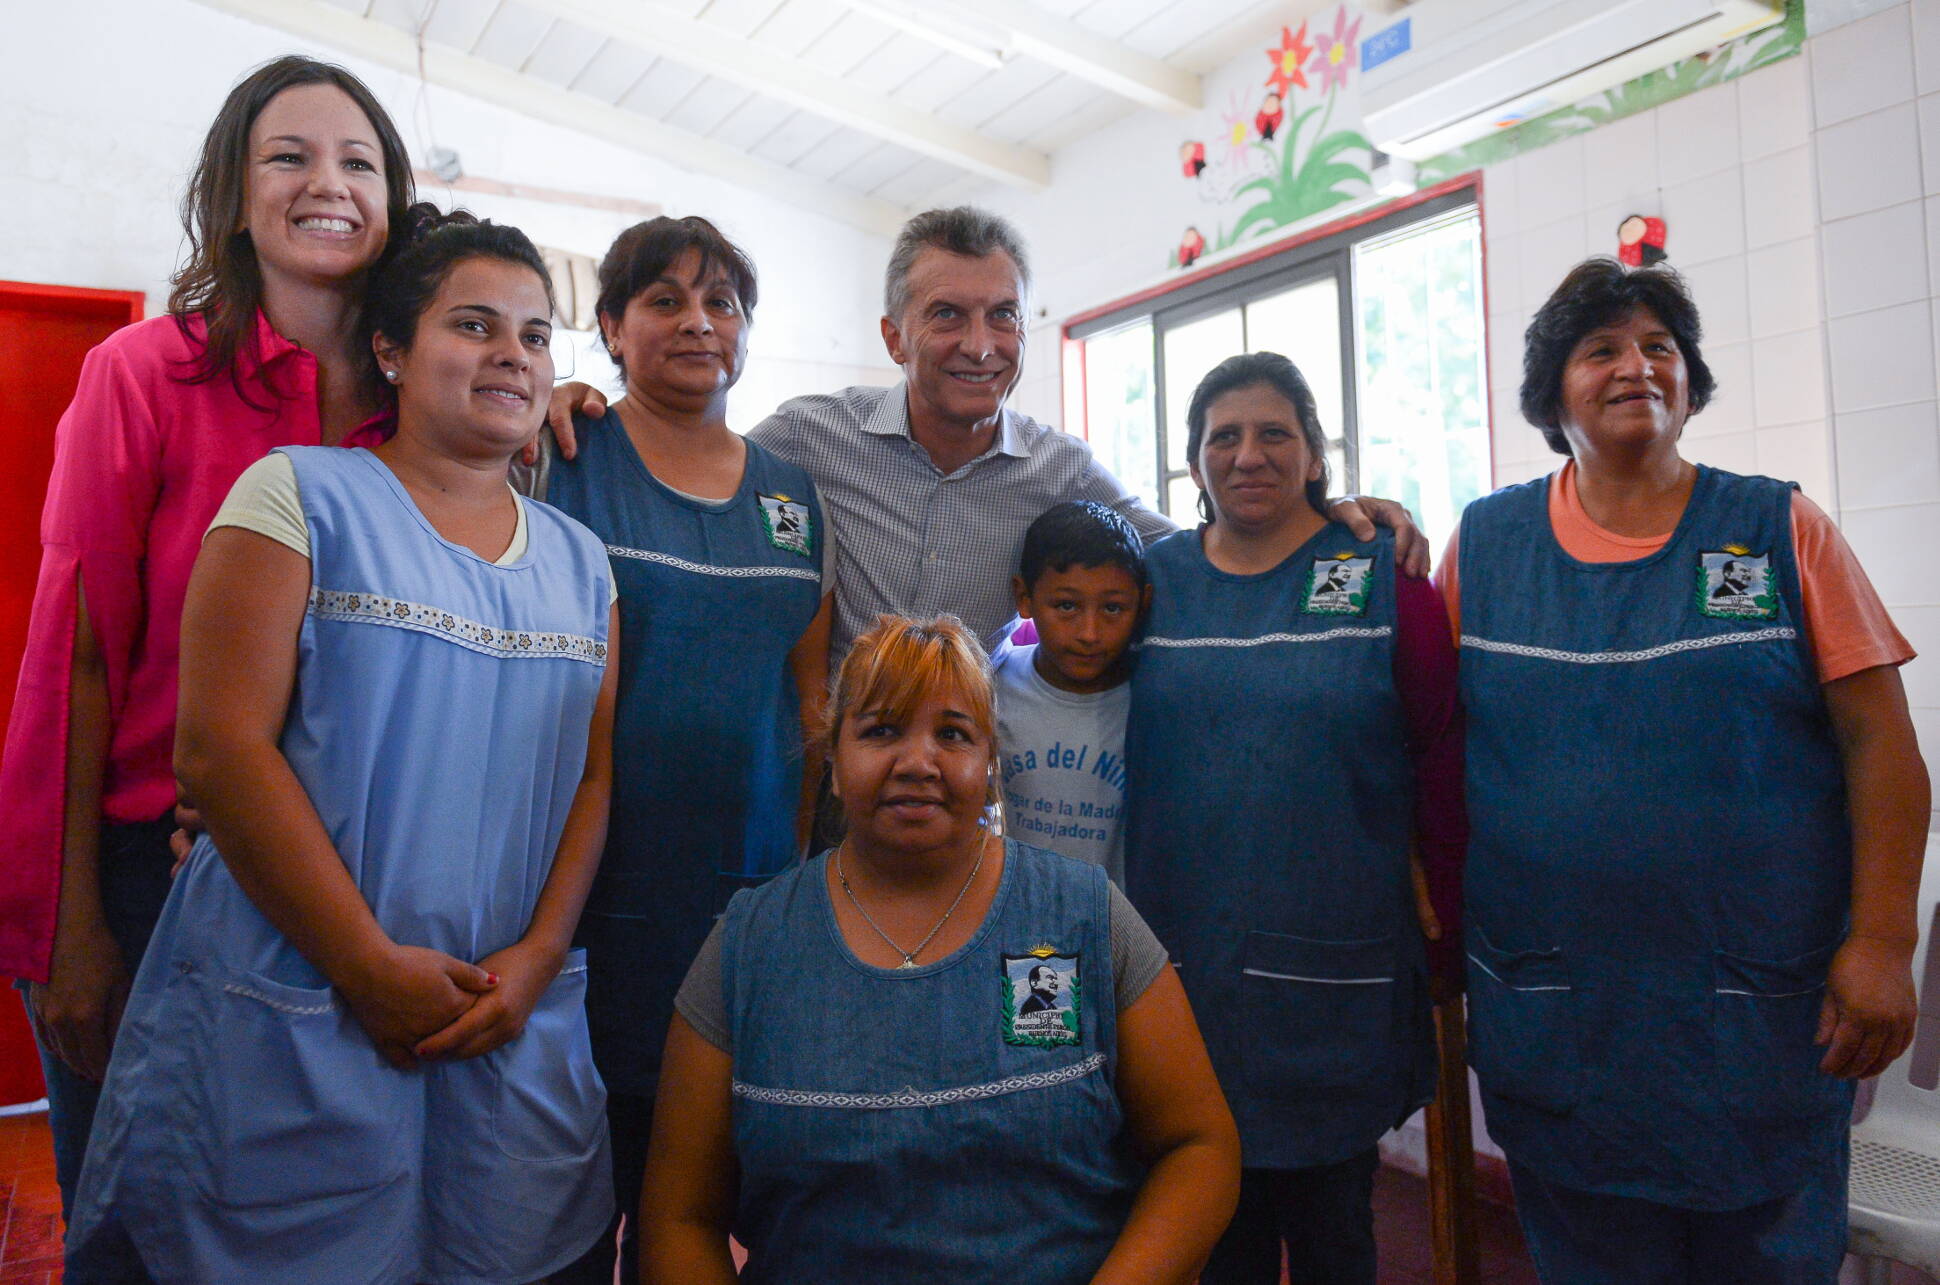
1324 251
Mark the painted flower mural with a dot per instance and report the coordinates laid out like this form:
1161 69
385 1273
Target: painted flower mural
1279 159
1289 61
1335 56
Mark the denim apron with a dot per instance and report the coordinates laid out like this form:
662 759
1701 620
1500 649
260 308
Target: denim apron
1659 864
249 1130
952 1122
1270 808
707 737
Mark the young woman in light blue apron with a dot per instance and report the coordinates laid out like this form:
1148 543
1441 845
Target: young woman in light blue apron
1698 812
1290 692
721 557
933 1054
356 1049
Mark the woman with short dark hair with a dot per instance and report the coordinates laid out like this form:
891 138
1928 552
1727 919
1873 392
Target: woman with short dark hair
1292 740
722 556
1698 816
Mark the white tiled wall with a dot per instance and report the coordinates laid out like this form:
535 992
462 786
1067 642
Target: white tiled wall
1803 206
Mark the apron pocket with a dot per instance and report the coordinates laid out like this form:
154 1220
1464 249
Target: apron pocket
301 1104
1522 1028
548 1102
1764 1015
1317 1014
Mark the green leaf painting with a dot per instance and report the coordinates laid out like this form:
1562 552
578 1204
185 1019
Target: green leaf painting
1290 163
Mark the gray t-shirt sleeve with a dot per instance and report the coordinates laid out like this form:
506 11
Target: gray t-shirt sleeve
702 999
1137 958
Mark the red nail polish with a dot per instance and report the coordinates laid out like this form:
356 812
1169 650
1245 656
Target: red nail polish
491 979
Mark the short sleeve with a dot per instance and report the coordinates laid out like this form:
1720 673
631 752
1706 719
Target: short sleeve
265 500
702 998
1847 622
1137 958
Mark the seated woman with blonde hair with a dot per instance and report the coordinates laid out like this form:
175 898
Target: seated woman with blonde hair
847 1093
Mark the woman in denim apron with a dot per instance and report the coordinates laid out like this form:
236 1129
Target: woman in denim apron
911 1058
721 556
1698 815
356 1049
1292 698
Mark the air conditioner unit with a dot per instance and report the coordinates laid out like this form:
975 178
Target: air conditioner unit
1450 71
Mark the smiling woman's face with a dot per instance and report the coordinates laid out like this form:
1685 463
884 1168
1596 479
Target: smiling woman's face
1626 386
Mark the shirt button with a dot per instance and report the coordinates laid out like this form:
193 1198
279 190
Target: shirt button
931 557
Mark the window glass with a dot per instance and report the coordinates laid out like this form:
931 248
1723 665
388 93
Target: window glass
1424 437
1190 351
1119 412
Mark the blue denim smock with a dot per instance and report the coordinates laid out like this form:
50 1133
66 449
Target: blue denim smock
923 1124
1660 863
249 1130
1271 807
707 737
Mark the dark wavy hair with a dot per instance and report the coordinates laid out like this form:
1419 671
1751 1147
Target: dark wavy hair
643 253
220 280
1284 378
1596 293
425 246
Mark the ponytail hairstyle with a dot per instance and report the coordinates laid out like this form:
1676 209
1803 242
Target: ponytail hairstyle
220 280
425 246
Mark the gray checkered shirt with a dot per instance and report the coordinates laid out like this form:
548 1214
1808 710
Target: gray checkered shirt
913 540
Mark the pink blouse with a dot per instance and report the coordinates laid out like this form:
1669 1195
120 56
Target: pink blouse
142 461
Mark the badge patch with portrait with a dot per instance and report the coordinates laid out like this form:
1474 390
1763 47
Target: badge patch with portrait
1735 585
787 523
1042 998
1337 586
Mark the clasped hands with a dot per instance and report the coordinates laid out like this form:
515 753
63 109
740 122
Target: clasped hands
422 1005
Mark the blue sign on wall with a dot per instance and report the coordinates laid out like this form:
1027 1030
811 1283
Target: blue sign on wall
1383 45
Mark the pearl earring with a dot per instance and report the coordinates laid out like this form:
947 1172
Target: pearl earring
391 375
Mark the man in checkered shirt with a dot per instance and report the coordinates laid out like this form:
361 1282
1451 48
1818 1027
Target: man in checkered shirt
931 484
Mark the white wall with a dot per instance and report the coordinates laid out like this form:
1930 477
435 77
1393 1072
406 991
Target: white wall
106 103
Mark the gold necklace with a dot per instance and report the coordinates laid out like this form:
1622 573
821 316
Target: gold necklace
909 956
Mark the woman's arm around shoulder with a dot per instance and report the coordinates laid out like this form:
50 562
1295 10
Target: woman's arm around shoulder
687 1205
1180 1123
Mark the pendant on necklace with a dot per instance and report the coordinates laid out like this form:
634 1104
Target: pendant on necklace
907 963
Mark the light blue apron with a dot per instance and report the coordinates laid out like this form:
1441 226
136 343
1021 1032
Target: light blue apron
1270 805
953 1122
1660 864
249 1131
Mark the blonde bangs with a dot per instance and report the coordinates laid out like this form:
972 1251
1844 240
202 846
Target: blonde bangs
899 663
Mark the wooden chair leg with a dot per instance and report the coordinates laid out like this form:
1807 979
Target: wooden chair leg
1451 1154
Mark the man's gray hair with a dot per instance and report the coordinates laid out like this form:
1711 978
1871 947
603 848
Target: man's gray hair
963 229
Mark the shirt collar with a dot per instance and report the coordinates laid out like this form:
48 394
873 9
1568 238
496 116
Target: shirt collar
265 348
891 419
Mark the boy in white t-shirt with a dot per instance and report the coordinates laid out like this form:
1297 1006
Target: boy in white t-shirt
1061 702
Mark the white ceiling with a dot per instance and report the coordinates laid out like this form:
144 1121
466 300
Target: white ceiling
868 117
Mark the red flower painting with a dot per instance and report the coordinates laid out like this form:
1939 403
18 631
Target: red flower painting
1289 61
1334 57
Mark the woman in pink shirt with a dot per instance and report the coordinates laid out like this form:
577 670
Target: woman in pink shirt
300 178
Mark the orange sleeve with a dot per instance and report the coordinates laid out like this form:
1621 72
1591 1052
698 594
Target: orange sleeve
1448 581
1844 617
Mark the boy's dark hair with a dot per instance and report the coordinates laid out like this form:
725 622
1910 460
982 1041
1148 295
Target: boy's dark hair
1596 293
1081 533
